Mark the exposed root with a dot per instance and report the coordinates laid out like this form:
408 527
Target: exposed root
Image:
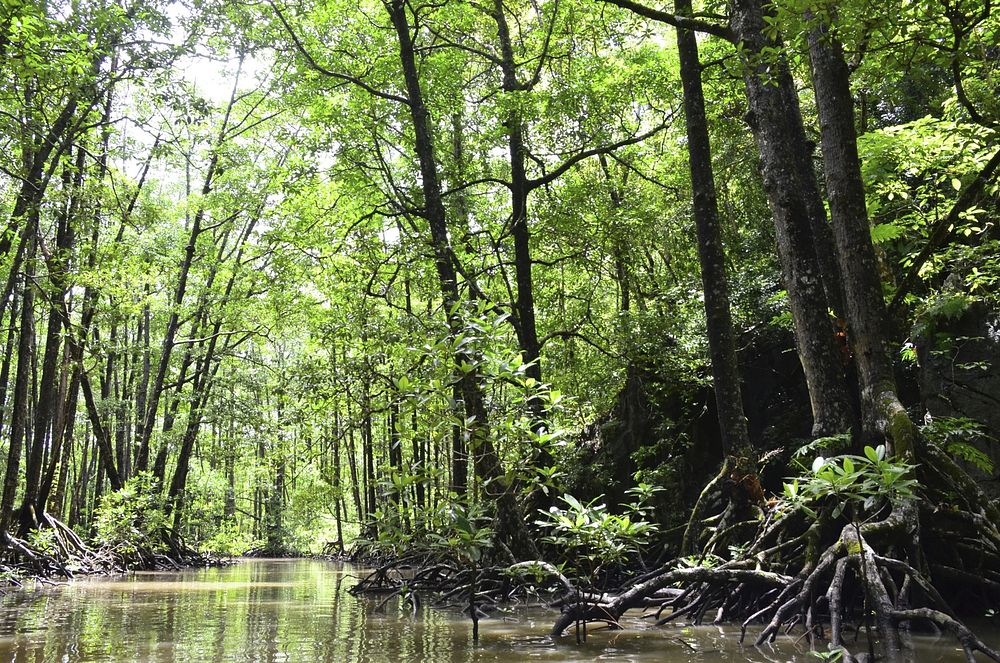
878 576
970 643
68 555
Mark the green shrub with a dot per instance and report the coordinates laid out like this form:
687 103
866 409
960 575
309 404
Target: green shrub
133 519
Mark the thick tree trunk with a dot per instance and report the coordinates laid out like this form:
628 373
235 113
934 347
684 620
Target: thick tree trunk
864 302
777 128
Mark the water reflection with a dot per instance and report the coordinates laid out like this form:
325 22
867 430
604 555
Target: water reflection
277 610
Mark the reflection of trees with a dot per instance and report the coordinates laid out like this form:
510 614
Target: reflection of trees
257 611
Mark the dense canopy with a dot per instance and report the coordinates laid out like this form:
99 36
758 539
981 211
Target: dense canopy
510 281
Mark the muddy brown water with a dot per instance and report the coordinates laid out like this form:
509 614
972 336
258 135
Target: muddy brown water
300 611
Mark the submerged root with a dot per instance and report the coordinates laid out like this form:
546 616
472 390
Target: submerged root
445 582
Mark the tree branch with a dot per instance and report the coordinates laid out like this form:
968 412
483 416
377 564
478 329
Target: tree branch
676 21
300 47
586 154
945 228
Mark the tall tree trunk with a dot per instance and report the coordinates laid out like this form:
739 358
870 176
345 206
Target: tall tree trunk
510 526
19 420
711 255
352 455
62 454
31 507
739 468
777 128
526 327
141 461
865 305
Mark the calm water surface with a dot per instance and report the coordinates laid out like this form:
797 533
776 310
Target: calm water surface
298 610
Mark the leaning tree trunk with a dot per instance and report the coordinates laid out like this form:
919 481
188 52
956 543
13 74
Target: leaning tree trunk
144 427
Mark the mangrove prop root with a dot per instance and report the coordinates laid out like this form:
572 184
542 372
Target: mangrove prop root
69 556
877 565
450 582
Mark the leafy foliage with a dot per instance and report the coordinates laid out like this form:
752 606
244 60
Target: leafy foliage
861 486
133 519
592 538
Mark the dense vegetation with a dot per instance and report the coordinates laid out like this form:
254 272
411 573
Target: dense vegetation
511 281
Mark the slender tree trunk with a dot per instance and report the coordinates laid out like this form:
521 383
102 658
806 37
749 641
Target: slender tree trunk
368 453
101 437
520 189
338 491
156 389
510 526
352 466
8 358
419 461
65 424
141 460
43 412
62 432
79 497
395 446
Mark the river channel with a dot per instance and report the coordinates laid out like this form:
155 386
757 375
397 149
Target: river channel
300 611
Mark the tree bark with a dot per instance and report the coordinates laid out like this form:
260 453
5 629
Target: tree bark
865 304
776 125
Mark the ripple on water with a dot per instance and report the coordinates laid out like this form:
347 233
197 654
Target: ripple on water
298 610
